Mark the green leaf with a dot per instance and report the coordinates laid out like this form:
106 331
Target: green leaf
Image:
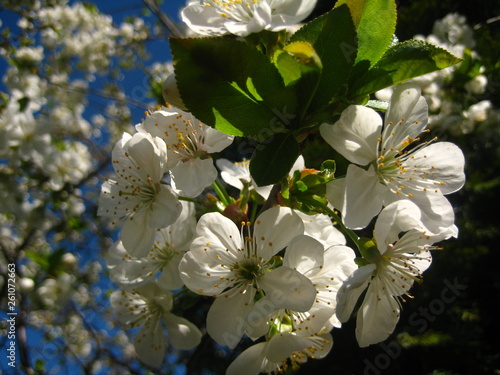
376 28
273 159
300 67
375 22
41 260
400 63
231 86
333 37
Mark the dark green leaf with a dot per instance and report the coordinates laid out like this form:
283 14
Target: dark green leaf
229 85
333 37
400 63
273 159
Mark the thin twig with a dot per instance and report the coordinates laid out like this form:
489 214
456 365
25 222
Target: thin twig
164 19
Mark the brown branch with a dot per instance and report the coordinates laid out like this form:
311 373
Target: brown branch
171 27
272 200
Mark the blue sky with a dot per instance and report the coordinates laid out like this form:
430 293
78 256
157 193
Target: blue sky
134 83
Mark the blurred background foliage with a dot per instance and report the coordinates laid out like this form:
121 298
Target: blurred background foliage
459 337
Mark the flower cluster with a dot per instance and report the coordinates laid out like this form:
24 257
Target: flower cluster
274 259
222 221
169 145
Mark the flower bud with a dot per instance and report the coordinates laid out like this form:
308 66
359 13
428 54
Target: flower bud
369 250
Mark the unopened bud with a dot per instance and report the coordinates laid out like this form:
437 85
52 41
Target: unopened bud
369 250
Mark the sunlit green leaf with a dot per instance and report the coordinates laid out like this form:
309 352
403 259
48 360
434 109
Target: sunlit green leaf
400 63
333 37
229 85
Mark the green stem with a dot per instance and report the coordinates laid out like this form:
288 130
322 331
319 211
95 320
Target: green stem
194 200
253 212
221 192
244 195
353 236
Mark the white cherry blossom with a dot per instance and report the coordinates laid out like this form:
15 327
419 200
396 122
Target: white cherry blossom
189 145
69 165
326 269
423 174
219 17
163 259
148 307
395 263
235 266
137 196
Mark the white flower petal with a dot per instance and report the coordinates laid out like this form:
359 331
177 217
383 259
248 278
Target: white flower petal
355 135
363 197
291 13
406 116
437 213
118 153
350 291
227 315
149 155
126 308
397 217
251 362
170 277
339 262
217 232
274 229
313 321
191 177
288 289
233 173
201 273
335 192
444 162
263 191
137 236
203 20
150 344
377 316
260 21
132 273
215 140
180 233
282 345
165 208
298 165
115 255
321 228
182 334
304 254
